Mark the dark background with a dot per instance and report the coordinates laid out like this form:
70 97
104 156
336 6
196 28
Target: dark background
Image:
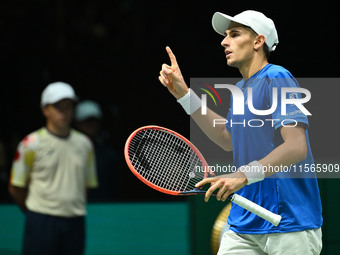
112 52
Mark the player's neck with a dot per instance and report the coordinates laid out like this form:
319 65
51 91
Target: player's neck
249 69
60 132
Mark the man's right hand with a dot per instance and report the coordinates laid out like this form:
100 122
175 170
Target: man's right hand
171 77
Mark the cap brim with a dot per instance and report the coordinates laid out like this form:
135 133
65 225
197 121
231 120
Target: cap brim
73 98
56 100
221 22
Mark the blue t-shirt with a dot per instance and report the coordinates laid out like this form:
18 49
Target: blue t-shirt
288 194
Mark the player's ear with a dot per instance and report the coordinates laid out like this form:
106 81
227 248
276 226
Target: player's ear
259 41
44 110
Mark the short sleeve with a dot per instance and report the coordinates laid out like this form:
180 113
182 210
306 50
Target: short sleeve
292 114
22 164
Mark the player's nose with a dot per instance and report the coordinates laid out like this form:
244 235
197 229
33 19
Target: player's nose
225 42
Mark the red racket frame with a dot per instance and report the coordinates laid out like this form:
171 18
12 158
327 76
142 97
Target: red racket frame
135 172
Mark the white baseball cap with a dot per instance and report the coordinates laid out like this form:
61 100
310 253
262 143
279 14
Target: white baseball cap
253 19
87 109
57 91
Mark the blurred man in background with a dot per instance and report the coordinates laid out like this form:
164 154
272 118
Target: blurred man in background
51 171
89 120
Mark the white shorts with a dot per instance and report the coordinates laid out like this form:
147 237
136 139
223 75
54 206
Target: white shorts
306 242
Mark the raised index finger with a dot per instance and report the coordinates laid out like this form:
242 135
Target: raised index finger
171 56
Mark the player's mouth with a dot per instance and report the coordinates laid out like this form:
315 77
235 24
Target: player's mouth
227 53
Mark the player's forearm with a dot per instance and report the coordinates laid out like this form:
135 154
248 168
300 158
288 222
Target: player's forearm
19 195
217 134
286 154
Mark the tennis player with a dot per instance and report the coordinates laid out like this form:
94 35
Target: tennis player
249 39
51 171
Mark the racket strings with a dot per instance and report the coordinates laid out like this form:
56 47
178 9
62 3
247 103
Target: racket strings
165 160
166 178
159 177
149 147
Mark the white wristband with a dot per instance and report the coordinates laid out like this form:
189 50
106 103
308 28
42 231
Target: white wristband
190 102
253 171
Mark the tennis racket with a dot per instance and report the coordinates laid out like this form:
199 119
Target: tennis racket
167 162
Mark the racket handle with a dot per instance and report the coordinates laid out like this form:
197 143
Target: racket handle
257 209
